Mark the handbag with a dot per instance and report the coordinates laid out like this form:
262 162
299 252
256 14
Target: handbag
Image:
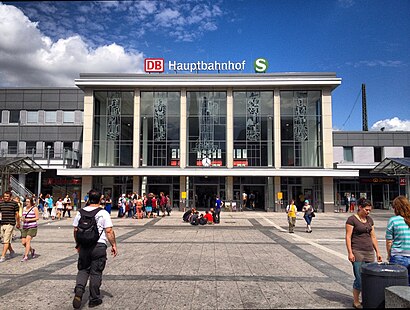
313 214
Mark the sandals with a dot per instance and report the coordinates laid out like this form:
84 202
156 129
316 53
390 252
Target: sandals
357 306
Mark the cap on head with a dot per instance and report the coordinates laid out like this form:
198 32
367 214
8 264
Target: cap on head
306 201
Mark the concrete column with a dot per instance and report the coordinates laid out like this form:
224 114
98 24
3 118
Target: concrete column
86 185
182 188
229 128
88 129
270 141
276 128
144 141
278 207
327 128
183 131
22 179
229 189
137 125
136 184
39 184
270 197
328 200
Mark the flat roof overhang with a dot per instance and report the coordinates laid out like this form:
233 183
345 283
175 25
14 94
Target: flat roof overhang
149 171
318 79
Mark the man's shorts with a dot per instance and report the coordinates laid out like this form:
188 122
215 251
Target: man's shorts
32 232
7 233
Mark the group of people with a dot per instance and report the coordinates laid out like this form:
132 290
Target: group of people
308 215
361 241
54 209
147 206
213 215
27 223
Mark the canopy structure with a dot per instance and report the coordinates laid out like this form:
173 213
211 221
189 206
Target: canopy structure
16 165
393 166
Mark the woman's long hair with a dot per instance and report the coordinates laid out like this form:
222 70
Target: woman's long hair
401 207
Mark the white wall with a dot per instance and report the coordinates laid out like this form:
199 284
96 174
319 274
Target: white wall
363 154
393 151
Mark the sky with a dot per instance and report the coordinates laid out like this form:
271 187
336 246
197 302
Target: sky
363 42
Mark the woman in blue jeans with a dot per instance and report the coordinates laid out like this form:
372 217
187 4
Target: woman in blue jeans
398 234
361 243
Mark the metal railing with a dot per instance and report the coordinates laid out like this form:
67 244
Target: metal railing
19 188
70 158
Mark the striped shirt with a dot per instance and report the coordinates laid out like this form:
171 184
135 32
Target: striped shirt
29 215
8 211
398 231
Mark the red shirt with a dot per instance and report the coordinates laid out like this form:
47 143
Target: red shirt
209 217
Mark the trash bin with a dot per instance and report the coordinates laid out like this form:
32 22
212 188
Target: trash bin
376 277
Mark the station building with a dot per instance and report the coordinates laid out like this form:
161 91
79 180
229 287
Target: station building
192 136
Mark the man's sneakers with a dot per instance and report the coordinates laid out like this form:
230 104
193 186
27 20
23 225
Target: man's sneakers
2 259
12 254
24 259
33 253
94 303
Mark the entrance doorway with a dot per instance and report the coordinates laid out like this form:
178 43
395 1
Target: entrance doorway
295 192
156 189
205 196
258 192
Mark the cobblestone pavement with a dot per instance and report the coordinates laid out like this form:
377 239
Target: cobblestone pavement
249 261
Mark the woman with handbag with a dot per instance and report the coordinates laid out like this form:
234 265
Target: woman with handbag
309 214
29 231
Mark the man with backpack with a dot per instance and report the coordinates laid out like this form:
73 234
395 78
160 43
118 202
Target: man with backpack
92 229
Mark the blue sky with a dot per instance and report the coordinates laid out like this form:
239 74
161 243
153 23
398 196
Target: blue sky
50 43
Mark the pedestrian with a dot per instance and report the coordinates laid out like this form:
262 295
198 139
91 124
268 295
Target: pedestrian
162 202
168 205
41 202
108 204
92 258
352 203
218 206
361 243
398 234
59 207
347 202
148 205
308 215
29 231
244 200
67 206
252 200
291 212
9 215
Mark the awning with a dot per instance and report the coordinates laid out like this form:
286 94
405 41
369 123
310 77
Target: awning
18 165
393 166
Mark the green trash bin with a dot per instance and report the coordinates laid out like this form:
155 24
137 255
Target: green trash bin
376 277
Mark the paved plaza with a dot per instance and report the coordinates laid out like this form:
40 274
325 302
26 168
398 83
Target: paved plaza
249 261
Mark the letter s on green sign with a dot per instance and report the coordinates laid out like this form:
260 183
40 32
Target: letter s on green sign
260 65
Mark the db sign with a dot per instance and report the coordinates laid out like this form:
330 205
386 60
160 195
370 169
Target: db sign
154 65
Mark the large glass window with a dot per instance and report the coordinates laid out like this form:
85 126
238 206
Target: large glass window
68 117
301 133
14 116
160 124
206 128
113 128
253 128
51 116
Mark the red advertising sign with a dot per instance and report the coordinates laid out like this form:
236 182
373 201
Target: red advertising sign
402 181
154 64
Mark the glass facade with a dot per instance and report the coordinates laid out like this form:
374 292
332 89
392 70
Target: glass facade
253 128
301 128
206 126
160 128
113 128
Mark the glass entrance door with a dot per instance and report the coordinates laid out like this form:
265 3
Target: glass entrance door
205 196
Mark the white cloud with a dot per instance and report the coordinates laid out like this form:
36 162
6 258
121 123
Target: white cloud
377 63
393 124
29 58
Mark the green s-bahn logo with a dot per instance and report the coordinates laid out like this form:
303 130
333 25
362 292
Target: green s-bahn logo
260 65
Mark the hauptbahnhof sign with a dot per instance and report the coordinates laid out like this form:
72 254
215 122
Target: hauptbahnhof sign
158 65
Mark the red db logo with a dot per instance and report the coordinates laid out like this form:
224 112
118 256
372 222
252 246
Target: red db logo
154 65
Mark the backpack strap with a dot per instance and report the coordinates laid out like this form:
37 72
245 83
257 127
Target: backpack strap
92 212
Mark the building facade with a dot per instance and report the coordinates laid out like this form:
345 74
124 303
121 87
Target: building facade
196 136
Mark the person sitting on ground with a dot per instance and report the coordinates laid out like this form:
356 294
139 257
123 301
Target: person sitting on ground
202 219
209 217
187 214
194 218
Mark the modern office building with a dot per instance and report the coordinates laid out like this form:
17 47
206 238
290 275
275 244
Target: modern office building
193 136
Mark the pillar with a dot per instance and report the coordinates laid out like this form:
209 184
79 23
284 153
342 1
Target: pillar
86 186
183 131
328 195
276 129
229 129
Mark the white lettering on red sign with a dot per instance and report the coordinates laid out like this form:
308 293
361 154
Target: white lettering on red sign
154 65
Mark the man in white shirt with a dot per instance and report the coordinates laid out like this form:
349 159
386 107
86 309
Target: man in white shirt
91 260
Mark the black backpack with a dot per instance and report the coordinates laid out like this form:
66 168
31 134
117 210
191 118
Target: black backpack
87 230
